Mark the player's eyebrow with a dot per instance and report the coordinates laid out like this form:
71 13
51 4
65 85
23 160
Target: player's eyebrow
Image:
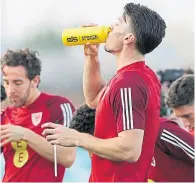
186 115
18 81
15 80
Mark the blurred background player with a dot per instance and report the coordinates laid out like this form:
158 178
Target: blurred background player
84 121
181 100
3 98
174 152
28 155
3 93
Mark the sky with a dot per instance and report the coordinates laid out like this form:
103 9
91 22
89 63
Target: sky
20 15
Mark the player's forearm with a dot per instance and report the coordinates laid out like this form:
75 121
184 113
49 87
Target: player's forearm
65 156
109 157
92 81
102 156
111 149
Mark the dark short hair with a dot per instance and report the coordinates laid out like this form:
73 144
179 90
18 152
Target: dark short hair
3 93
25 58
181 92
84 120
148 26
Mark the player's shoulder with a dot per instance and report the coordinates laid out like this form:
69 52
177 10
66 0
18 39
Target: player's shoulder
56 100
129 79
169 124
130 73
170 130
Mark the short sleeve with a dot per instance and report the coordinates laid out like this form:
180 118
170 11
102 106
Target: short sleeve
175 141
61 110
128 101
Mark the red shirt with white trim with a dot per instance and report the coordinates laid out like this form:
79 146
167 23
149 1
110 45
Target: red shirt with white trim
22 163
131 101
174 154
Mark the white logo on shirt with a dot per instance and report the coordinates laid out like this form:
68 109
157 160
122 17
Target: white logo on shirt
36 118
153 162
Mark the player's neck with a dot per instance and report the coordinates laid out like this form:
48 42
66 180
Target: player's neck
34 95
125 58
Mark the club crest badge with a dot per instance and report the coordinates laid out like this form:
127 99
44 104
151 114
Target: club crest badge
36 118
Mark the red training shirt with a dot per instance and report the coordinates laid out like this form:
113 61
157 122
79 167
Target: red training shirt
174 154
23 164
131 101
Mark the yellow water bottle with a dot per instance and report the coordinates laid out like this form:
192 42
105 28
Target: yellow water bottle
83 35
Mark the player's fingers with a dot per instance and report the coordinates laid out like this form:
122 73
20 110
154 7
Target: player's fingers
5 142
91 47
5 136
58 142
3 132
86 46
89 25
49 125
3 127
54 142
52 137
48 131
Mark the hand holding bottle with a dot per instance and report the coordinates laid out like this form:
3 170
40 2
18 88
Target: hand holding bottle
91 50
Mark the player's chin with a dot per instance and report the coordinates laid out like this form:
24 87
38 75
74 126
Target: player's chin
107 49
17 104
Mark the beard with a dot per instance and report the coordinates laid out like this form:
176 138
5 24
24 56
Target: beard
22 100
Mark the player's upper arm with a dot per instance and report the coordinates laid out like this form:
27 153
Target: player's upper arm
128 101
93 104
176 142
61 110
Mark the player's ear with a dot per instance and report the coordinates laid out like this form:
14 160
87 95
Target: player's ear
35 81
129 38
